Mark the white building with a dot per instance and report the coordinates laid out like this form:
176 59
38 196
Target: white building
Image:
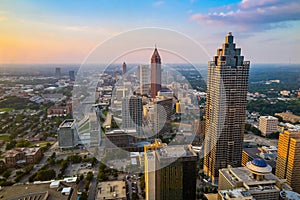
268 124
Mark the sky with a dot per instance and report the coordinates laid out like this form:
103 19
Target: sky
70 31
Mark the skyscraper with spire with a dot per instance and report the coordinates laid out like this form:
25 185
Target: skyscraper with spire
124 68
155 82
226 100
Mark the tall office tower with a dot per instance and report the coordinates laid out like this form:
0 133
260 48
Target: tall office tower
170 172
72 75
155 81
226 100
144 79
57 72
162 112
67 134
288 159
124 69
268 125
132 113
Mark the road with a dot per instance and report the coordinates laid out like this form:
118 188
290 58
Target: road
93 188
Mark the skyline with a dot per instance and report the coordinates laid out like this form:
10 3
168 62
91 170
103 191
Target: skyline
66 32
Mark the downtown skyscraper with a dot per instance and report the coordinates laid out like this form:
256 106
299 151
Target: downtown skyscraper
155 82
226 100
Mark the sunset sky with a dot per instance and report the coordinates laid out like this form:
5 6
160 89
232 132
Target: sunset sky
67 31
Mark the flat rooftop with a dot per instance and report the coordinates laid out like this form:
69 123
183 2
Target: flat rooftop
17 191
175 151
240 193
111 190
68 123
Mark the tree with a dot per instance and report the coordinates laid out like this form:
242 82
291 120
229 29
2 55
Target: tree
89 176
83 196
45 175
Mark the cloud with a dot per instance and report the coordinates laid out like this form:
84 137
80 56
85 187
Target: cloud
158 3
253 15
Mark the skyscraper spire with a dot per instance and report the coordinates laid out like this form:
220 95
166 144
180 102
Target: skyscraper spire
155 56
155 73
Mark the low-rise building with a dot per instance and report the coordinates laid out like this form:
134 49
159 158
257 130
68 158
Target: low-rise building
111 190
18 156
256 179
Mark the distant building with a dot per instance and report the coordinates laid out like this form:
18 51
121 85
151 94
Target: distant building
57 73
289 117
124 139
180 108
19 156
226 100
268 125
132 113
67 134
254 180
155 82
72 75
59 110
161 116
111 190
144 79
288 161
124 68
170 172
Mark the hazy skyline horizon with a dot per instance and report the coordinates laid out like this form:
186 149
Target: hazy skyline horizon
66 32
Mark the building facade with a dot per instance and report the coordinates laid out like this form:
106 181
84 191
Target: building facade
155 82
170 172
288 160
226 101
268 125
124 68
132 113
144 79
255 180
20 156
58 73
161 116
68 134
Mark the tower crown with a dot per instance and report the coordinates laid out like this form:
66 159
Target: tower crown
155 57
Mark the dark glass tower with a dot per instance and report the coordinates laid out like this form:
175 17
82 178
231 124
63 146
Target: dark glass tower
227 87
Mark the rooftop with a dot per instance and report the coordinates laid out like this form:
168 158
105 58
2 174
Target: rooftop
68 123
31 190
111 190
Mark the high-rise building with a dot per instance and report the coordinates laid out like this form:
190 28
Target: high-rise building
170 172
124 68
155 81
161 116
68 134
57 72
144 79
256 180
72 75
267 125
132 113
288 159
226 100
